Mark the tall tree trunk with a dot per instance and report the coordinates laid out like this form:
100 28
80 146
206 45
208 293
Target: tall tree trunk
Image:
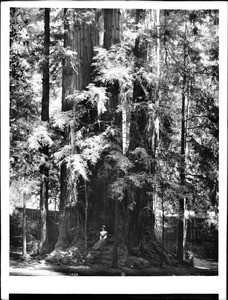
155 134
111 37
79 37
151 217
182 181
44 244
180 248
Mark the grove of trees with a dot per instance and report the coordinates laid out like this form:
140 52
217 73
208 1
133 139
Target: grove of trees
114 119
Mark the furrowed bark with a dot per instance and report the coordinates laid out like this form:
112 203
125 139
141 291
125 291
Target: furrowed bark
44 244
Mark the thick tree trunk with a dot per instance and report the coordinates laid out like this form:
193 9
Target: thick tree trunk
151 211
44 244
79 37
154 122
111 27
151 248
112 37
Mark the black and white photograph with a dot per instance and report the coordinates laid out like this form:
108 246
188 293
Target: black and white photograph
114 114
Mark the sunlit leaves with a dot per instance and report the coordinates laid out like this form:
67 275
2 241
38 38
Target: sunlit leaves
71 59
114 65
40 137
77 166
64 152
97 96
61 118
92 147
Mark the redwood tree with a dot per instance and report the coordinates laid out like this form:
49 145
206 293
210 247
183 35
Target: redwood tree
78 54
44 149
112 37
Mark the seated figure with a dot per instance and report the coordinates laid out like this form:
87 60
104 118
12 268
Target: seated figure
102 241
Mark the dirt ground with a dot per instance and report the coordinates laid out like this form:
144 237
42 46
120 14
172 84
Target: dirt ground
34 267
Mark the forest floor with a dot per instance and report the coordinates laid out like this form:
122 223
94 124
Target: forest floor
34 267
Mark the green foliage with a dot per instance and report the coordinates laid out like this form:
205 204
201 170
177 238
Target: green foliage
94 95
92 147
40 137
97 96
114 65
62 154
60 119
77 166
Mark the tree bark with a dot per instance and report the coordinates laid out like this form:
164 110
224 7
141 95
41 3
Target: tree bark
45 97
63 235
126 97
79 37
180 248
112 37
111 27
44 244
155 136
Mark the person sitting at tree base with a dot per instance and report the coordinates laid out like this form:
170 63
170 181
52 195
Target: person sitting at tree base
102 241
